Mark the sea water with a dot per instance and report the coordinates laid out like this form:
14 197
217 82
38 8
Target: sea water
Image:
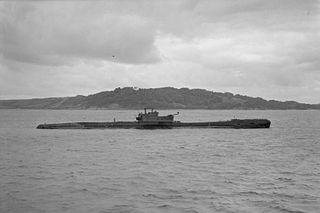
175 170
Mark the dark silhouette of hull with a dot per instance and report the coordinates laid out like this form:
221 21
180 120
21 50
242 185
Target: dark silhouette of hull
150 119
234 123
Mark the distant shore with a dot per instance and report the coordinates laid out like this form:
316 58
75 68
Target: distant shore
130 98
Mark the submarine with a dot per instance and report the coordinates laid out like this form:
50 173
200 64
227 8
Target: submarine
150 119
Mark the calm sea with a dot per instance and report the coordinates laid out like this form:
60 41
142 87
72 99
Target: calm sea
177 170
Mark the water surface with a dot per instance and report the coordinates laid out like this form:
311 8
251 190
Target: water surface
177 170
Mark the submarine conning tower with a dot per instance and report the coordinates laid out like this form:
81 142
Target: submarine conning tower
151 115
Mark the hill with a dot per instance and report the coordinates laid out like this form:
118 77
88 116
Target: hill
160 98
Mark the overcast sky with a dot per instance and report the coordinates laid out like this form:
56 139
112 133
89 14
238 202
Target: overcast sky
266 48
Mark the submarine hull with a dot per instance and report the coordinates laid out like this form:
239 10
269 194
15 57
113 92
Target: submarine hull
234 123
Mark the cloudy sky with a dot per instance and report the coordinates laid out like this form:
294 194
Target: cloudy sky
266 48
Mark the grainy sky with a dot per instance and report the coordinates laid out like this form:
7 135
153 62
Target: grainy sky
266 48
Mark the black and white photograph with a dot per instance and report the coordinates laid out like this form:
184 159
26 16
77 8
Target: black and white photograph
159 106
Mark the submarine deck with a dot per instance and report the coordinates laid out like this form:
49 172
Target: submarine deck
234 123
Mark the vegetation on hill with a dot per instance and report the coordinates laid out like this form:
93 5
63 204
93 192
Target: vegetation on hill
160 98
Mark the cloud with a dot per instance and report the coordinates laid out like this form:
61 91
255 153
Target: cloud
252 47
56 33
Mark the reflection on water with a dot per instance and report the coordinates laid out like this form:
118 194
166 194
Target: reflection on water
177 170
